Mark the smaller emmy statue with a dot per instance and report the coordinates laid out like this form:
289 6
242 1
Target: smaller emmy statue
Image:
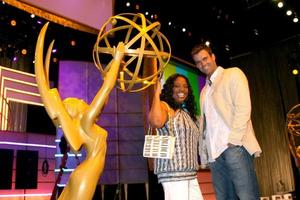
125 46
293 131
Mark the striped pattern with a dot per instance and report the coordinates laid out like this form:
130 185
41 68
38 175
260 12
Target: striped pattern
16 86
184 164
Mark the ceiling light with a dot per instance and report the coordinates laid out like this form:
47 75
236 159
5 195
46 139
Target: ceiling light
170 23
13 22
128 4
24 51
295 20
288 12
207 43
32 15
280 4
227 48
295 71
73 43
183 29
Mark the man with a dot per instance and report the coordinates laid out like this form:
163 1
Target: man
227 143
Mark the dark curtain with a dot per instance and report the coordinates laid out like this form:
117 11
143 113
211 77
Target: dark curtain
274 90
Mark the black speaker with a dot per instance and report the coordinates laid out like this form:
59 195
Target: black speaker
6 168
27 168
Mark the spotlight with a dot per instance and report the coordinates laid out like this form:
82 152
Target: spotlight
280 4
227 48
13 22
295 20
73 43
288 12
32 15
24 51
127 4
295 71
207 43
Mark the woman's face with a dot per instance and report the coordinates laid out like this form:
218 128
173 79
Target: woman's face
180 90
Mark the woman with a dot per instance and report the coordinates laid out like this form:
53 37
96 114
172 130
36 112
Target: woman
179 174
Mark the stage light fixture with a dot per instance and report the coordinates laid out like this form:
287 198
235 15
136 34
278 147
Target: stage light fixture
295 19
73 43
295 71
13 22
280 4
24 51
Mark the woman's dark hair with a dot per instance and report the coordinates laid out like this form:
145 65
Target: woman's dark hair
167 96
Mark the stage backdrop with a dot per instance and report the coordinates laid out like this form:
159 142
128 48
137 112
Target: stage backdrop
124 117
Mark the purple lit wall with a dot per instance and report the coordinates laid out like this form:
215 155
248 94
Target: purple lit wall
45 146
122 117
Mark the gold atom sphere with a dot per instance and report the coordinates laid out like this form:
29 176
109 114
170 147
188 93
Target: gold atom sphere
142 41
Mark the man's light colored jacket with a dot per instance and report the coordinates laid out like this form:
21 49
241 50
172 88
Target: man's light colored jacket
231 97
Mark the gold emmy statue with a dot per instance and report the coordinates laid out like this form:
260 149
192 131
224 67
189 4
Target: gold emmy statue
141 40
293 130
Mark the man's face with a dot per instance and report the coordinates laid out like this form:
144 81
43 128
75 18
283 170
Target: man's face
205 62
